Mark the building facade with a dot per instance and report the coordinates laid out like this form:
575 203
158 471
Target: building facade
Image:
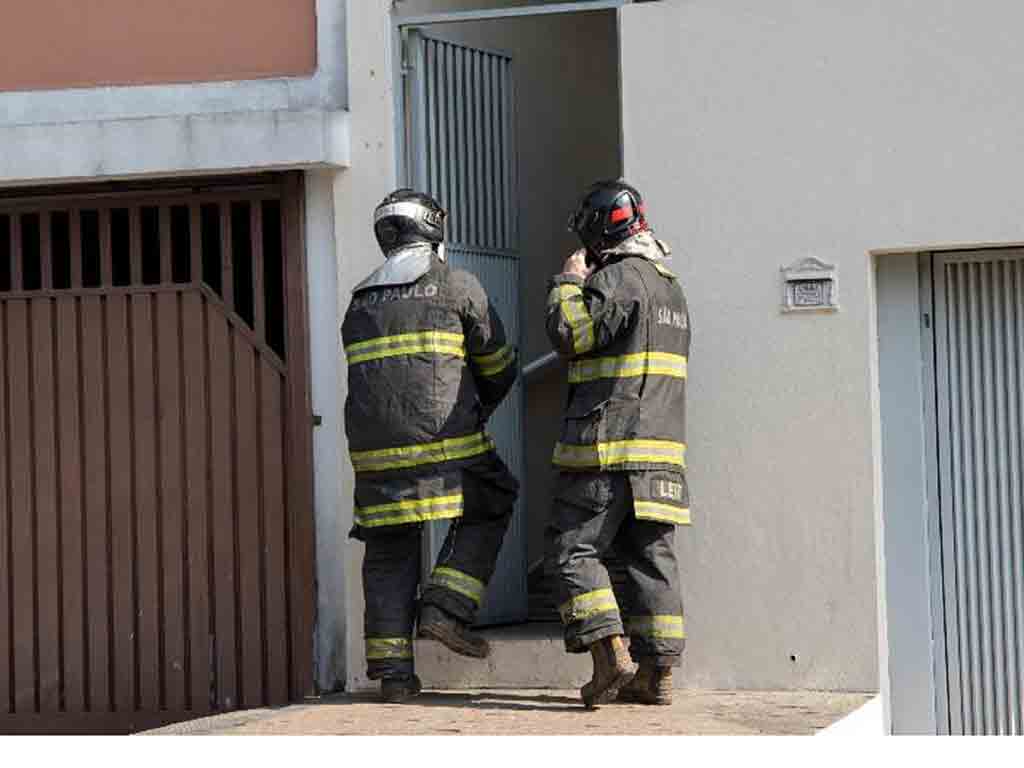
185 205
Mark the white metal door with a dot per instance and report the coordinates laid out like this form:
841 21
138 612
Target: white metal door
979 364
460 149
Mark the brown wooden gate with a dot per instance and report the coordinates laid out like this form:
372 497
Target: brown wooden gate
156 557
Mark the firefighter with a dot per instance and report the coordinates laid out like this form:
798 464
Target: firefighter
428 363
619 314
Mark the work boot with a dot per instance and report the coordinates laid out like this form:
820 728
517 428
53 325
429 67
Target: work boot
454 634
612 670
395 690
652 685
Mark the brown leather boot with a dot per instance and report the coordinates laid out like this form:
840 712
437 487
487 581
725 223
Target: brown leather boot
612 670
652 685
438 625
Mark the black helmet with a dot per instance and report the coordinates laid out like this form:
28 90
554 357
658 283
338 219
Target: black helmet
406 217
608 213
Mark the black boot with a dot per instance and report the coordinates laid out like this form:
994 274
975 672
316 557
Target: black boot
395 690
454 634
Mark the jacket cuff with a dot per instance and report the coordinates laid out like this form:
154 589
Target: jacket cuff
565 278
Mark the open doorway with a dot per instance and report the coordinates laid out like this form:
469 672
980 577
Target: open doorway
505 120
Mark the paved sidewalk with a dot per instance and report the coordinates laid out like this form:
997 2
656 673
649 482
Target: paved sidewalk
539 712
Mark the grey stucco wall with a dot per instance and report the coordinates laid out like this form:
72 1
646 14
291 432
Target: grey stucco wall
762 133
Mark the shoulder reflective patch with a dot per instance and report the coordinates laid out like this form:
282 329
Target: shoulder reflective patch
385 648
410 511
587 605
422 454
625 366
656 627
662 513
611 454
664 270
416 343
496 362
457 581
574 311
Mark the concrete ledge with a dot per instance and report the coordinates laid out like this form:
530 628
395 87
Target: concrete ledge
171 145
526 656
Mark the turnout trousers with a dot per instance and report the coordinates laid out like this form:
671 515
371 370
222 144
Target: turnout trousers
593 521
392 567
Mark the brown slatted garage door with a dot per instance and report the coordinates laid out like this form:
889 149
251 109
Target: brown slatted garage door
155 460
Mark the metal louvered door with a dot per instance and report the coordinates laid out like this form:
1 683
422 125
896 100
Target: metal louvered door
460 149
979 323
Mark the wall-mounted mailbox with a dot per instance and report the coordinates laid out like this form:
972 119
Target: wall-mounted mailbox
809 285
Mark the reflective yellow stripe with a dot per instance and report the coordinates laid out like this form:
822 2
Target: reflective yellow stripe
577 317
457 581
587 605
424 453
495 363
420 342
656 627
620 452
625 366
410 511
664 513
383 648
664 270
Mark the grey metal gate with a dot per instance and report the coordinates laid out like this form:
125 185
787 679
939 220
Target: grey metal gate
460 148
979 363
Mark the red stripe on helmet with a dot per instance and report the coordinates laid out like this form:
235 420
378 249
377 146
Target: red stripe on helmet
621 214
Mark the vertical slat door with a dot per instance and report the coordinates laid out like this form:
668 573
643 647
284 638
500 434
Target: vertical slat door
151 492
979 306
462 154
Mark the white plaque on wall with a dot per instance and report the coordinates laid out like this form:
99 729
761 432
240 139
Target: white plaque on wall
809 285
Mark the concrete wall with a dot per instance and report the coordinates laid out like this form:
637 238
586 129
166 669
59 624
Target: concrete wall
356 191
766 132
70 134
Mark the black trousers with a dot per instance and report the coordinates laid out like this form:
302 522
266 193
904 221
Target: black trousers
592 521
392 567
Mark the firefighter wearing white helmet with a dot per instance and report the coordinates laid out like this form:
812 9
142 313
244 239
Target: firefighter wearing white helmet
428 363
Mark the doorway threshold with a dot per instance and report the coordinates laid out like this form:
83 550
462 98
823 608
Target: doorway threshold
522 656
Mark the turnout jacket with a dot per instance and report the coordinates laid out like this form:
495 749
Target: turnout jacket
626 332
428 363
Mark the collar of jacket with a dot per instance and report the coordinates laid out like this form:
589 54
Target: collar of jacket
403 266
643 244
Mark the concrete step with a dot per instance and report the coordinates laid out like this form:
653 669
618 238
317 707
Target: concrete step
523 656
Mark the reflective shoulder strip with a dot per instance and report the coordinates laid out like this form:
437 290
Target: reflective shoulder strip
620 452
587 605
422 454
410 511
419 342
384 648
664 270
656 627
457 581
663 513
574 310
625 366
496 362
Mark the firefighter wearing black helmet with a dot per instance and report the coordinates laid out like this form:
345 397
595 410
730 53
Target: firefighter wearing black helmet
619 314
428 363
